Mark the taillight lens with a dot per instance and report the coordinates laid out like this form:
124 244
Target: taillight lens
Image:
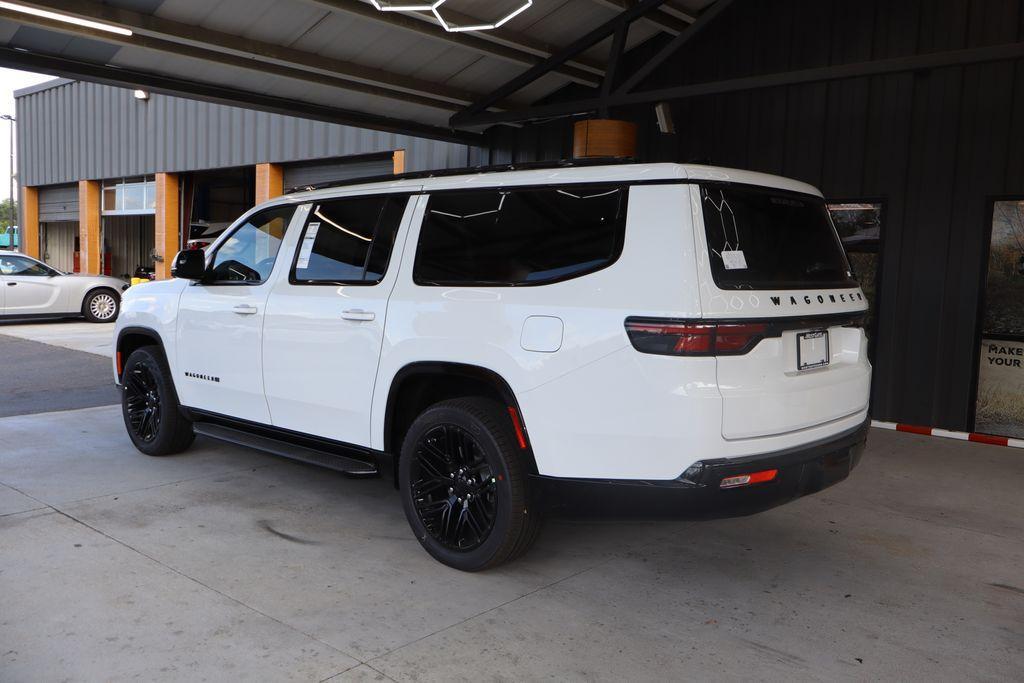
677 338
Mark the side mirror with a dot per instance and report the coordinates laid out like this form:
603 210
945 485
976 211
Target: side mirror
189 264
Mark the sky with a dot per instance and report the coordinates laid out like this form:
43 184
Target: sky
11 80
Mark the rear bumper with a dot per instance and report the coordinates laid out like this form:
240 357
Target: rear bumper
802 470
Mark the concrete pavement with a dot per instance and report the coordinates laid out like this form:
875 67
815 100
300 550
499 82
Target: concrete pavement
224 563
95 338
36 377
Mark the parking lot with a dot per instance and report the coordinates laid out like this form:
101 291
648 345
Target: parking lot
226 563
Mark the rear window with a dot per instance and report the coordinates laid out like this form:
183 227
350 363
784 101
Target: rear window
760 238
520 237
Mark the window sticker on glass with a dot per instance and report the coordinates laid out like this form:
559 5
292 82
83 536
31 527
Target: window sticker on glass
307 245
734 260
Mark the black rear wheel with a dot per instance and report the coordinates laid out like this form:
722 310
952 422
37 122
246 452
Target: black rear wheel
149 405
464 485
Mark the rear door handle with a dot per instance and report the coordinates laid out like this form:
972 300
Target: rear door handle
358 314
244 309
12 284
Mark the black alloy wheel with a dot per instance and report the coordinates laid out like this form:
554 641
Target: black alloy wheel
454 490
142 402
463 480
149 404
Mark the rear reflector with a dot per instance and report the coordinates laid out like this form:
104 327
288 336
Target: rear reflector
748 479
675 338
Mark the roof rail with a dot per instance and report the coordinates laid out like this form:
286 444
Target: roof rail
468 170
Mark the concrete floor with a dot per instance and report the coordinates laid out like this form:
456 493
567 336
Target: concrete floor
223 563
38 378
95 338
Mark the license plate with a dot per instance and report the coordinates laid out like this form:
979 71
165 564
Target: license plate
812 350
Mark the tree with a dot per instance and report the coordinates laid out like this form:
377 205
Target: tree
8 213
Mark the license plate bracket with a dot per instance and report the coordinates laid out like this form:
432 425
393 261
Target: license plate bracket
812 350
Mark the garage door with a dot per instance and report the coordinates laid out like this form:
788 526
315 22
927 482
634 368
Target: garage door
335 170
58 203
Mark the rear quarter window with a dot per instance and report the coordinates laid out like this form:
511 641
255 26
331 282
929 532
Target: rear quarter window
520 237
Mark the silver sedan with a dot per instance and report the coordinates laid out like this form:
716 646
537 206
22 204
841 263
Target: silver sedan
31 289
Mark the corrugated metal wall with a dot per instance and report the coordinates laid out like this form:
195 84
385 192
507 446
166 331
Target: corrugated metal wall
57 243
934 146
313 173
82 130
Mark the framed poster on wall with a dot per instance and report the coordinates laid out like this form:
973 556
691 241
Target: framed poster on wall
999 407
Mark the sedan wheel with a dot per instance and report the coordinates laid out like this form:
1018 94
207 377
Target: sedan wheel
101 307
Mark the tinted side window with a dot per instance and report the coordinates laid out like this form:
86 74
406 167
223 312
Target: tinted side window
349 240
248 254
13 265
520 237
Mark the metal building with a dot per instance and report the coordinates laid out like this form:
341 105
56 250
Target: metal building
96 157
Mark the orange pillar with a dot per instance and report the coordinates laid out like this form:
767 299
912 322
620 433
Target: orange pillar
398 160
28 218
89 226
269 182
167 220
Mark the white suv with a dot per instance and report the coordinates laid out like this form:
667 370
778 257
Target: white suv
673 338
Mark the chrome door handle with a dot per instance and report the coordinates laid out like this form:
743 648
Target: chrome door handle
358 314
244 309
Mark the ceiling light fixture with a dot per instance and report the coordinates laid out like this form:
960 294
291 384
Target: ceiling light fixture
452 28
140 95
57 16
436 6
399 6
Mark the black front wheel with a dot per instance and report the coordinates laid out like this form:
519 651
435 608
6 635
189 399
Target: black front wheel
150 406
464 486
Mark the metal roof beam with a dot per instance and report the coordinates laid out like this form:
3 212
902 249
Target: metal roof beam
665 18
881 67
585 42
127 78
168 36
674 45
422 26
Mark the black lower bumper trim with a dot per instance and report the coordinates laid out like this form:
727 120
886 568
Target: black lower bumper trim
801 471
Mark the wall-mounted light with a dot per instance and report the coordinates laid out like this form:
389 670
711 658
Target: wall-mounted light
140 94
66 18
436 7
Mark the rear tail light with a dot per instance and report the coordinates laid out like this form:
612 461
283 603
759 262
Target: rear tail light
748 479
677 338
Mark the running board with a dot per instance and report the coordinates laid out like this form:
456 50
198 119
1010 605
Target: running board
341 463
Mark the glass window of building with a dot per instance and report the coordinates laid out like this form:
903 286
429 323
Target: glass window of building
860 228
999 405
129 196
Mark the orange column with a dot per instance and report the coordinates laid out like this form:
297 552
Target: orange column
167 220
269 182
89 226
28 218
398 160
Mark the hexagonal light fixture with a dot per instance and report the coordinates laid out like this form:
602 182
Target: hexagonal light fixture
435 7
452 28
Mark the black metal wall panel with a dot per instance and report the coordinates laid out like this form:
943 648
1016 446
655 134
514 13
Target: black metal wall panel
934 146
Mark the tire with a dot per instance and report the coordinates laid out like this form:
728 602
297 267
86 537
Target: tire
448 454
149 405
101 306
